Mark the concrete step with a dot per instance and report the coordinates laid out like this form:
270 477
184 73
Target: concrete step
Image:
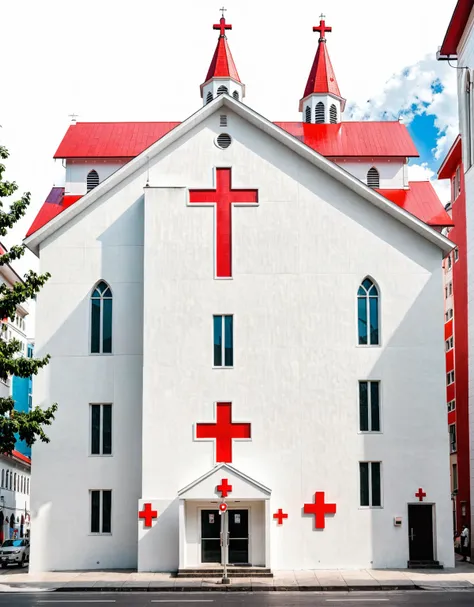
232 572
424 565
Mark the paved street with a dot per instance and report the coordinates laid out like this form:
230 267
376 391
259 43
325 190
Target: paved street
412 599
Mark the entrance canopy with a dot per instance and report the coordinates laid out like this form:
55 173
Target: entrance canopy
224 479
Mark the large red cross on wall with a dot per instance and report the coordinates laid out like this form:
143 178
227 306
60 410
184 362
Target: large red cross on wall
319 509
147 514
222 199
223 432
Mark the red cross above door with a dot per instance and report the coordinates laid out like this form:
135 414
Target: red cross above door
147 514
224 487
319 509
223 432
222 199
421 494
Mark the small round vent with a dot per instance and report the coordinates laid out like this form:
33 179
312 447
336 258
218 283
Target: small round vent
223 141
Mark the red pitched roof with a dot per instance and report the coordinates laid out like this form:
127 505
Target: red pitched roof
359 139
422 201
222 64
20 456
322 78
452 160
456 27
111 139
54 204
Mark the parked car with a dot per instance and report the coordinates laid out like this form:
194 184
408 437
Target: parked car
15 552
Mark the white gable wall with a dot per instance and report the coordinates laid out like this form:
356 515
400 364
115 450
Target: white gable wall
391 170
77 171
298 260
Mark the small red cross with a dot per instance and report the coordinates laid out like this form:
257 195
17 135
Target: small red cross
421 494
222 26
148 514
280 515
319 509
222 198
223 432
322 28
224 487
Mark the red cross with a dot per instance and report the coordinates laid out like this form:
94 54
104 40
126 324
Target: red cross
421 494
280 515
319 509
322 28
222 25
224 488
148 514
223 432
222 198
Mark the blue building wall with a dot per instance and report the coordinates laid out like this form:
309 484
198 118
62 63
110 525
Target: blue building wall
21 394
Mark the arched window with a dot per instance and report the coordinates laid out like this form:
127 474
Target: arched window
333 114
3 478
319 113
14 482
7 479
222 89
468 110
373 178
368 313
235 95
92 180
307 114
209 97
101 319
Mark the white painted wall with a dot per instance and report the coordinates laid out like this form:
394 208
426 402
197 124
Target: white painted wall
298 260
77 170
391 170
14 499
466 59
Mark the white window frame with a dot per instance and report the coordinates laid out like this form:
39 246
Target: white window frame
449 343
369 404
101 430
101 511
456 254
452 445
451 405
370 485
223 366
450 378
101 323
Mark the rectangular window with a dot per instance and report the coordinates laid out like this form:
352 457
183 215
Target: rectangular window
223 341
370 484
369 406
456 254
451 405
455 477
101 429
449 314
450 378
452 438
449 343
449 261
101 511
450 288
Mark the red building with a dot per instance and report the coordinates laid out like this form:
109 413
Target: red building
456 336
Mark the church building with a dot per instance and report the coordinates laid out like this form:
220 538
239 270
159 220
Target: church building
245 323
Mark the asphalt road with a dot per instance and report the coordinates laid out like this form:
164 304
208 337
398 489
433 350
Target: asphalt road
258 599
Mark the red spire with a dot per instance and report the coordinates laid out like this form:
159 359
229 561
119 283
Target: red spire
322 78
222 64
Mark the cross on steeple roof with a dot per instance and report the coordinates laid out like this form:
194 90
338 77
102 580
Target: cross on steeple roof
322 28
222 25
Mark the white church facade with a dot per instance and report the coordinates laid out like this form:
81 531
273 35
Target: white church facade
234 314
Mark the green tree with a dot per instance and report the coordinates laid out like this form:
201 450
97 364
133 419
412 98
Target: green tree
27 426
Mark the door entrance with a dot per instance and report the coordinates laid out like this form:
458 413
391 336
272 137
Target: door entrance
210 536
238 527
420 532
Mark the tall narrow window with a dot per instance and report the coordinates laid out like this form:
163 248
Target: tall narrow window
368 313
101 429
307 114
101 319
373 178
319 113
92 180
223 341
455 477
369 406
333 114
209 97
101 511
370 484
7 480
452 438
222 89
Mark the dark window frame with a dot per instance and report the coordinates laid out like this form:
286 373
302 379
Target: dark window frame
100 504
101 429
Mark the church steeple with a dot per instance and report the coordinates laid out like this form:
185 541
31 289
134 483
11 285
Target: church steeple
222 76
322 101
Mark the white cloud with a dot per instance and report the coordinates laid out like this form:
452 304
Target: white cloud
425 87
422 172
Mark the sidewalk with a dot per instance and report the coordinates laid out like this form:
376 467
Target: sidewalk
461 577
